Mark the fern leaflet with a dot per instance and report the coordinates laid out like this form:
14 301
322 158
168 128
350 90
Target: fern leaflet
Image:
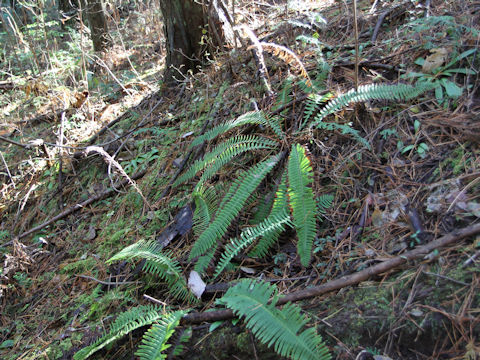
279 205
302 203
231 205
222 154
270 225
154 341
253 117
281 329
159 264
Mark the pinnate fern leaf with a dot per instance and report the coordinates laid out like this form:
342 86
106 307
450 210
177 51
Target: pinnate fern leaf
231 205
279 206
159 263
270 225
154 341
126 322
252 117
281 329
222 154
205 205
371 92
301 201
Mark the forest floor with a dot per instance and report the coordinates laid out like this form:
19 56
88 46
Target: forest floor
415 179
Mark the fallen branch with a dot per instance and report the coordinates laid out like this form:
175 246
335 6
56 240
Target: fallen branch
356 278
79 206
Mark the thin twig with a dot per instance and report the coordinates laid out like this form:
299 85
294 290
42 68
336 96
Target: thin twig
108 283
355 24
446 278
7 169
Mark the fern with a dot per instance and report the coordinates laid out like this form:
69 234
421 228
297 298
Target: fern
159 264
284 96
344 129
126 322
253 117
154 340
224 153
205 205
312 105
270 225
370 92
231 205
274 123
204 261
323 203
301 201
281 329
279 205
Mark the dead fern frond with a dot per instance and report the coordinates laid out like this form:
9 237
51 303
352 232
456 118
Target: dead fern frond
289 57
111 161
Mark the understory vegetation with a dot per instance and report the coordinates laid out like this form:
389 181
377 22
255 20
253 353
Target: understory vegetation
311 192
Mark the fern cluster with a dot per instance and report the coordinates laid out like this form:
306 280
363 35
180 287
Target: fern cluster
231 204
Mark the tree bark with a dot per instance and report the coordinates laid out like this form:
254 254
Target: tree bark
192 31
68 9
98 25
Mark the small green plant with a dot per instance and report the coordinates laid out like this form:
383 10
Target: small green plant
444 87
140 161
421 148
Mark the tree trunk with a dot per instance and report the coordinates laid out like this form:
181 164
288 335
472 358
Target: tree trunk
191 30
68 9
98 25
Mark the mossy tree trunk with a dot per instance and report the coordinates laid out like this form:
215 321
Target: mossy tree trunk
98 25
191 30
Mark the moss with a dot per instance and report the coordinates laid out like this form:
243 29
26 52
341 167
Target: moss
226 342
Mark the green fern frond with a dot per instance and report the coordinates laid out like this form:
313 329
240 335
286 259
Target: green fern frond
312 104
270 225
231 204
253 117
274 123
302 203
324 202
281 329
222 154
205 205
284 96
160 264
279 205
126 322
204 261
154 341
344 129
371 92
